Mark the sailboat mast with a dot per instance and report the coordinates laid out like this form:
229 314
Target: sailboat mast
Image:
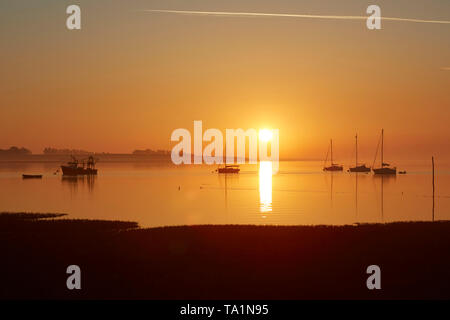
331 141
382 146
356 137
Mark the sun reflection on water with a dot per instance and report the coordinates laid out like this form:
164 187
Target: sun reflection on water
265 186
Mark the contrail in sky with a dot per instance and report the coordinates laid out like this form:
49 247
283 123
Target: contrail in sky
292 15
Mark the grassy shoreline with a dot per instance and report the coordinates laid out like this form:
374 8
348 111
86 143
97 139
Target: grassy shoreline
119 260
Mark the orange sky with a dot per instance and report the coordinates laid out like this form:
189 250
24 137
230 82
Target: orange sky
129 78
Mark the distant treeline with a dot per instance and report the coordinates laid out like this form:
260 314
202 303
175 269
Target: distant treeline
14 151
151 152
50 151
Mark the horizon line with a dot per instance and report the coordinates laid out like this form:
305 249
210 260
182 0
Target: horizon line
292 15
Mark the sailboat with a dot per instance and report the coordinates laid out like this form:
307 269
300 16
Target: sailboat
385 167
358 168
333 166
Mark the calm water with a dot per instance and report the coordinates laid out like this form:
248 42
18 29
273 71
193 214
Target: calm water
300 193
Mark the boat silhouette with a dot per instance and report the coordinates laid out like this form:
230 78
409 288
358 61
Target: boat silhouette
384 168
229 169
74 168
361 167
32 176
333 166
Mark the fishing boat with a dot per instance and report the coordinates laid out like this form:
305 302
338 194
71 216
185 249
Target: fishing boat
333 166
74 168
229 169
384 168
361 167
32 176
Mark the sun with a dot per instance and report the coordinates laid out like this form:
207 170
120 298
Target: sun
265 135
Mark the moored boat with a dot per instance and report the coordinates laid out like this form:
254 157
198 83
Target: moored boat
332 166
229 169
384 168
32 176
361 167
74 168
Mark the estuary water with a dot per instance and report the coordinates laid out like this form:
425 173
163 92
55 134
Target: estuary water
161 194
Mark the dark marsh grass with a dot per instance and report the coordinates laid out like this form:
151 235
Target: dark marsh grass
121 261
